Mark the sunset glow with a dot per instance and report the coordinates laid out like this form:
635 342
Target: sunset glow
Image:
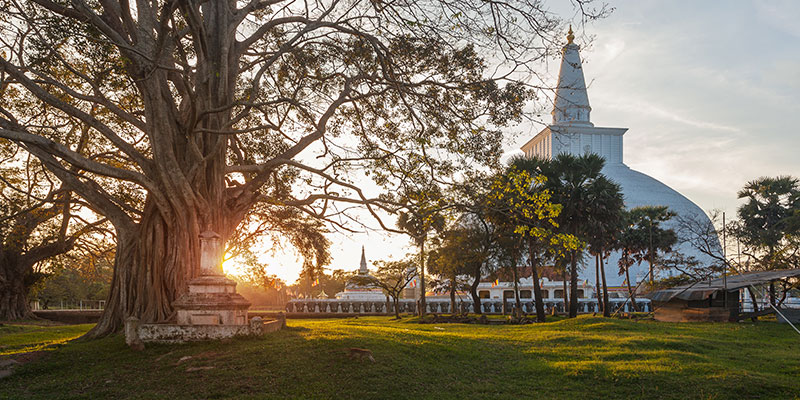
286 265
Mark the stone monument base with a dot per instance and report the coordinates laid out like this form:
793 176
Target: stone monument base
211 300
175 333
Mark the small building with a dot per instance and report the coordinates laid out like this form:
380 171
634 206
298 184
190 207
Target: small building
621 292
550 289
716 300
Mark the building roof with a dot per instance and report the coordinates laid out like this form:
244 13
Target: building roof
701 290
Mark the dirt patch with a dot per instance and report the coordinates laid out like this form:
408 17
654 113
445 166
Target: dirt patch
24 358
204 356
9 364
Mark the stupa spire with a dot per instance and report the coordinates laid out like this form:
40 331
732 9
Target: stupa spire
363 270
571 106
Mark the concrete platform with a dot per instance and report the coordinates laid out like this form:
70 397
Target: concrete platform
174 333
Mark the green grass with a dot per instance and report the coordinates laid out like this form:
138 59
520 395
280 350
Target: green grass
23 338
587 357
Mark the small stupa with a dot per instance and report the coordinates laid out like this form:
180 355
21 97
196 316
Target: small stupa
354 290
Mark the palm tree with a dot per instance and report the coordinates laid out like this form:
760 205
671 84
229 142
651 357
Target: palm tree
641 239
584 192
769 219
652 217
605 227
532 211
769 216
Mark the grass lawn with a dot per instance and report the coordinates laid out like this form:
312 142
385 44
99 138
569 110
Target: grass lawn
33 336
587 357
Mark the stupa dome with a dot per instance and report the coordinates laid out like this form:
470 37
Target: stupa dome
572 132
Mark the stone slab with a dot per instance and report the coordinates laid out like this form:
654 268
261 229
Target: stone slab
172 333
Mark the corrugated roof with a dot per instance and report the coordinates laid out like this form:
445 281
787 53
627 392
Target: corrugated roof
701 290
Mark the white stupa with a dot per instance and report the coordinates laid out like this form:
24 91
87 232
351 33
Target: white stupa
358 291
573 132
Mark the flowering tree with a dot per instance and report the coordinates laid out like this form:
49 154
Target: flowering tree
519 201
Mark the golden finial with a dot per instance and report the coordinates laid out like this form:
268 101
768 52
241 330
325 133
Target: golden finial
570 36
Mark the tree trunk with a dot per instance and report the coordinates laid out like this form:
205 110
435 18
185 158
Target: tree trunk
396 301
606 310
597 289
16 271
153 264
13 291
573 280
518 303
754 300
772 293
423 309
476 300
453 294
565 295
630 290
783 296
537 291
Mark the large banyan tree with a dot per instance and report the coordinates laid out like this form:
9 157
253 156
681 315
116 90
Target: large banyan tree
201 111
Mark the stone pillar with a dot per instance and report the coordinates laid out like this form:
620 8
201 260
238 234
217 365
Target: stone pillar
282 318
132 334
210 254
256 326
211 298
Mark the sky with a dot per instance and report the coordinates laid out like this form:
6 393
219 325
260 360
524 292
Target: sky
710 92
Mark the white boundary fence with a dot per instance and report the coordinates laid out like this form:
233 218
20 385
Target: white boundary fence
69 305
489 306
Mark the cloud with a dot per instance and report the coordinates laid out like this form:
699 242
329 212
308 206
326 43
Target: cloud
780 15
658 111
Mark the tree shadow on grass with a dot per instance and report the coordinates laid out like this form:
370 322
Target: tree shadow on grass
309 360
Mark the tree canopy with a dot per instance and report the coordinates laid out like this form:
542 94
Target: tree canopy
40 219
519 202
587 198
768 226
199 110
